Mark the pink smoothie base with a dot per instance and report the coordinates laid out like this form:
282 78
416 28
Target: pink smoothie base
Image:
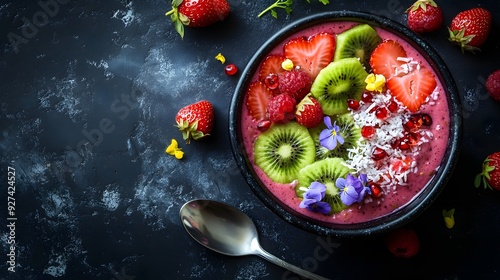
429 158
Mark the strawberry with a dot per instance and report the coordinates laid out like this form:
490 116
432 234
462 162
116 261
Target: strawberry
403 242
384 59
424 16
197 13
311 54
413 88
258 96
309 112
470 29
493 85
195 120
271 65
296 83
490 175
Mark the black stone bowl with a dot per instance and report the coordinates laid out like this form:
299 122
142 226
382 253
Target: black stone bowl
386 223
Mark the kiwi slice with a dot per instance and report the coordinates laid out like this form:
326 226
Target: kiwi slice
283 150
348 130
324 171
358 41
338 81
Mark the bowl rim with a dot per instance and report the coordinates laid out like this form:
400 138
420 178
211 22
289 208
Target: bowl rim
423 200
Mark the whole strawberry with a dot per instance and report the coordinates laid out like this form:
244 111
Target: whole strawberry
196 120
424 16
493 85
470 29
403 242
309 112
197 13
490 175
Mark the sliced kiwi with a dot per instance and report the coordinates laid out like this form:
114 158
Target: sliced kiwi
338 81
324 171
359 41
348 130
283 150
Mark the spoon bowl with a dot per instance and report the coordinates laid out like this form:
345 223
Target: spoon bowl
226 230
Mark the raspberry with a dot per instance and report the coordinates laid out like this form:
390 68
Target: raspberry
493 85
281 108
296 83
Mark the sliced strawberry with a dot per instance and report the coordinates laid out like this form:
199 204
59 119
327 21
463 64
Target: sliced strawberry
271 65
311 54
258 96
413 88
384 59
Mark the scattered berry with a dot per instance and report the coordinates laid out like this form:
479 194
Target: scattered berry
367 97
309 112
367 131
493 85
424 16
381 113
271 81
426 120
470 29
353 104
490 174
378 153
263 125
295 83
375 189
230 69
281 108
196 120
197 13
403 242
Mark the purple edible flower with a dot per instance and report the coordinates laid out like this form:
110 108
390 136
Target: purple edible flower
312 199
352 189
330 136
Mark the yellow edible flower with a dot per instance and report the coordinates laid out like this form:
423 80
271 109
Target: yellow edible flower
449 219
174 150
220 58
375 82
287 64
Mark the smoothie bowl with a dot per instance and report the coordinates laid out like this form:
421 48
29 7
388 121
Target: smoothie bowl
346 124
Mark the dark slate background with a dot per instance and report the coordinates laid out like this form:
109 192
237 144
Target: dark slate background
107 207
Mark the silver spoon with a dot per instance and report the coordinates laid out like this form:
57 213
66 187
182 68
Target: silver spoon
227 230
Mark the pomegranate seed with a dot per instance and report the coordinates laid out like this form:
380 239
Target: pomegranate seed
404 144
367 97
230 69
353 104
376 189
263 125
395 143
378 153
367 131
426 120
413 138
381 113
393 106
271 81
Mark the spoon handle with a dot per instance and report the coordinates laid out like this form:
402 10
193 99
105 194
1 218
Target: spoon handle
277 261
